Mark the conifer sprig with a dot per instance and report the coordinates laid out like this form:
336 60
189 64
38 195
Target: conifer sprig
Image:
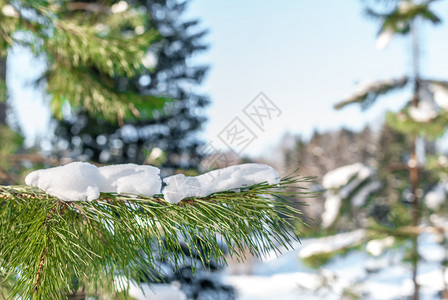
85 52
46 244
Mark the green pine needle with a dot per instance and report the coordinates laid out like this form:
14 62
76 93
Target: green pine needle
46 243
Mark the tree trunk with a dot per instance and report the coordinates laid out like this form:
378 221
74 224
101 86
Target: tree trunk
413 168
413 172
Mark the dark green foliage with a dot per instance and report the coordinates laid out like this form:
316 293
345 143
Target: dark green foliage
399 19
2 90
174 128
45 243
403 123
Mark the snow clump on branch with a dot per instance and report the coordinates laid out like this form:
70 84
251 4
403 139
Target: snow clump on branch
180 186
81 181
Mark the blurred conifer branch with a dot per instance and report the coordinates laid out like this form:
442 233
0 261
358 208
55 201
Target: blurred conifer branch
86 46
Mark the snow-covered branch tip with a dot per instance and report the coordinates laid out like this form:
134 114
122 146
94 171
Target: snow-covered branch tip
366 92
290 186
109 234
81 181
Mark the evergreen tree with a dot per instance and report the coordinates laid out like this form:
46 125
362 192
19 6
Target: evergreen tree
81 53
424 115
169 73
55 249
403 189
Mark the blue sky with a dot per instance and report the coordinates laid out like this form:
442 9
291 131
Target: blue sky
305 56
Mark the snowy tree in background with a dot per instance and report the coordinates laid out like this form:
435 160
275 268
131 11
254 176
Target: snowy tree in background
424 115
403 187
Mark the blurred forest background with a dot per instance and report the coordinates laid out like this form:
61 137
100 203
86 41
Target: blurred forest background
122 84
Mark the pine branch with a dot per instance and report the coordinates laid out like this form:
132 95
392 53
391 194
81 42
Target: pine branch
75 45
97 95
81 46
367 93
116 234
403 123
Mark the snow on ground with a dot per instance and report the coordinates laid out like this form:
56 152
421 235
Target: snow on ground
153 292
383 277
278 286
156 292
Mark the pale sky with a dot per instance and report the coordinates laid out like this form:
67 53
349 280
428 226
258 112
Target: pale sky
304 55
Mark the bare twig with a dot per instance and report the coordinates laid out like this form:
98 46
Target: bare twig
39 271
6 177
44 252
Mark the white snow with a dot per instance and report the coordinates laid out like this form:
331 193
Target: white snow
135 179
340 184
9 11
366 86
149 60
278 286
180 186
426 110
77 181
377 247
420 145
333 243
341 176
119 7
386 277
440 95
155 291
436 196
386 35
360 198
405 7
363 174
384 38
81 181
332 205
